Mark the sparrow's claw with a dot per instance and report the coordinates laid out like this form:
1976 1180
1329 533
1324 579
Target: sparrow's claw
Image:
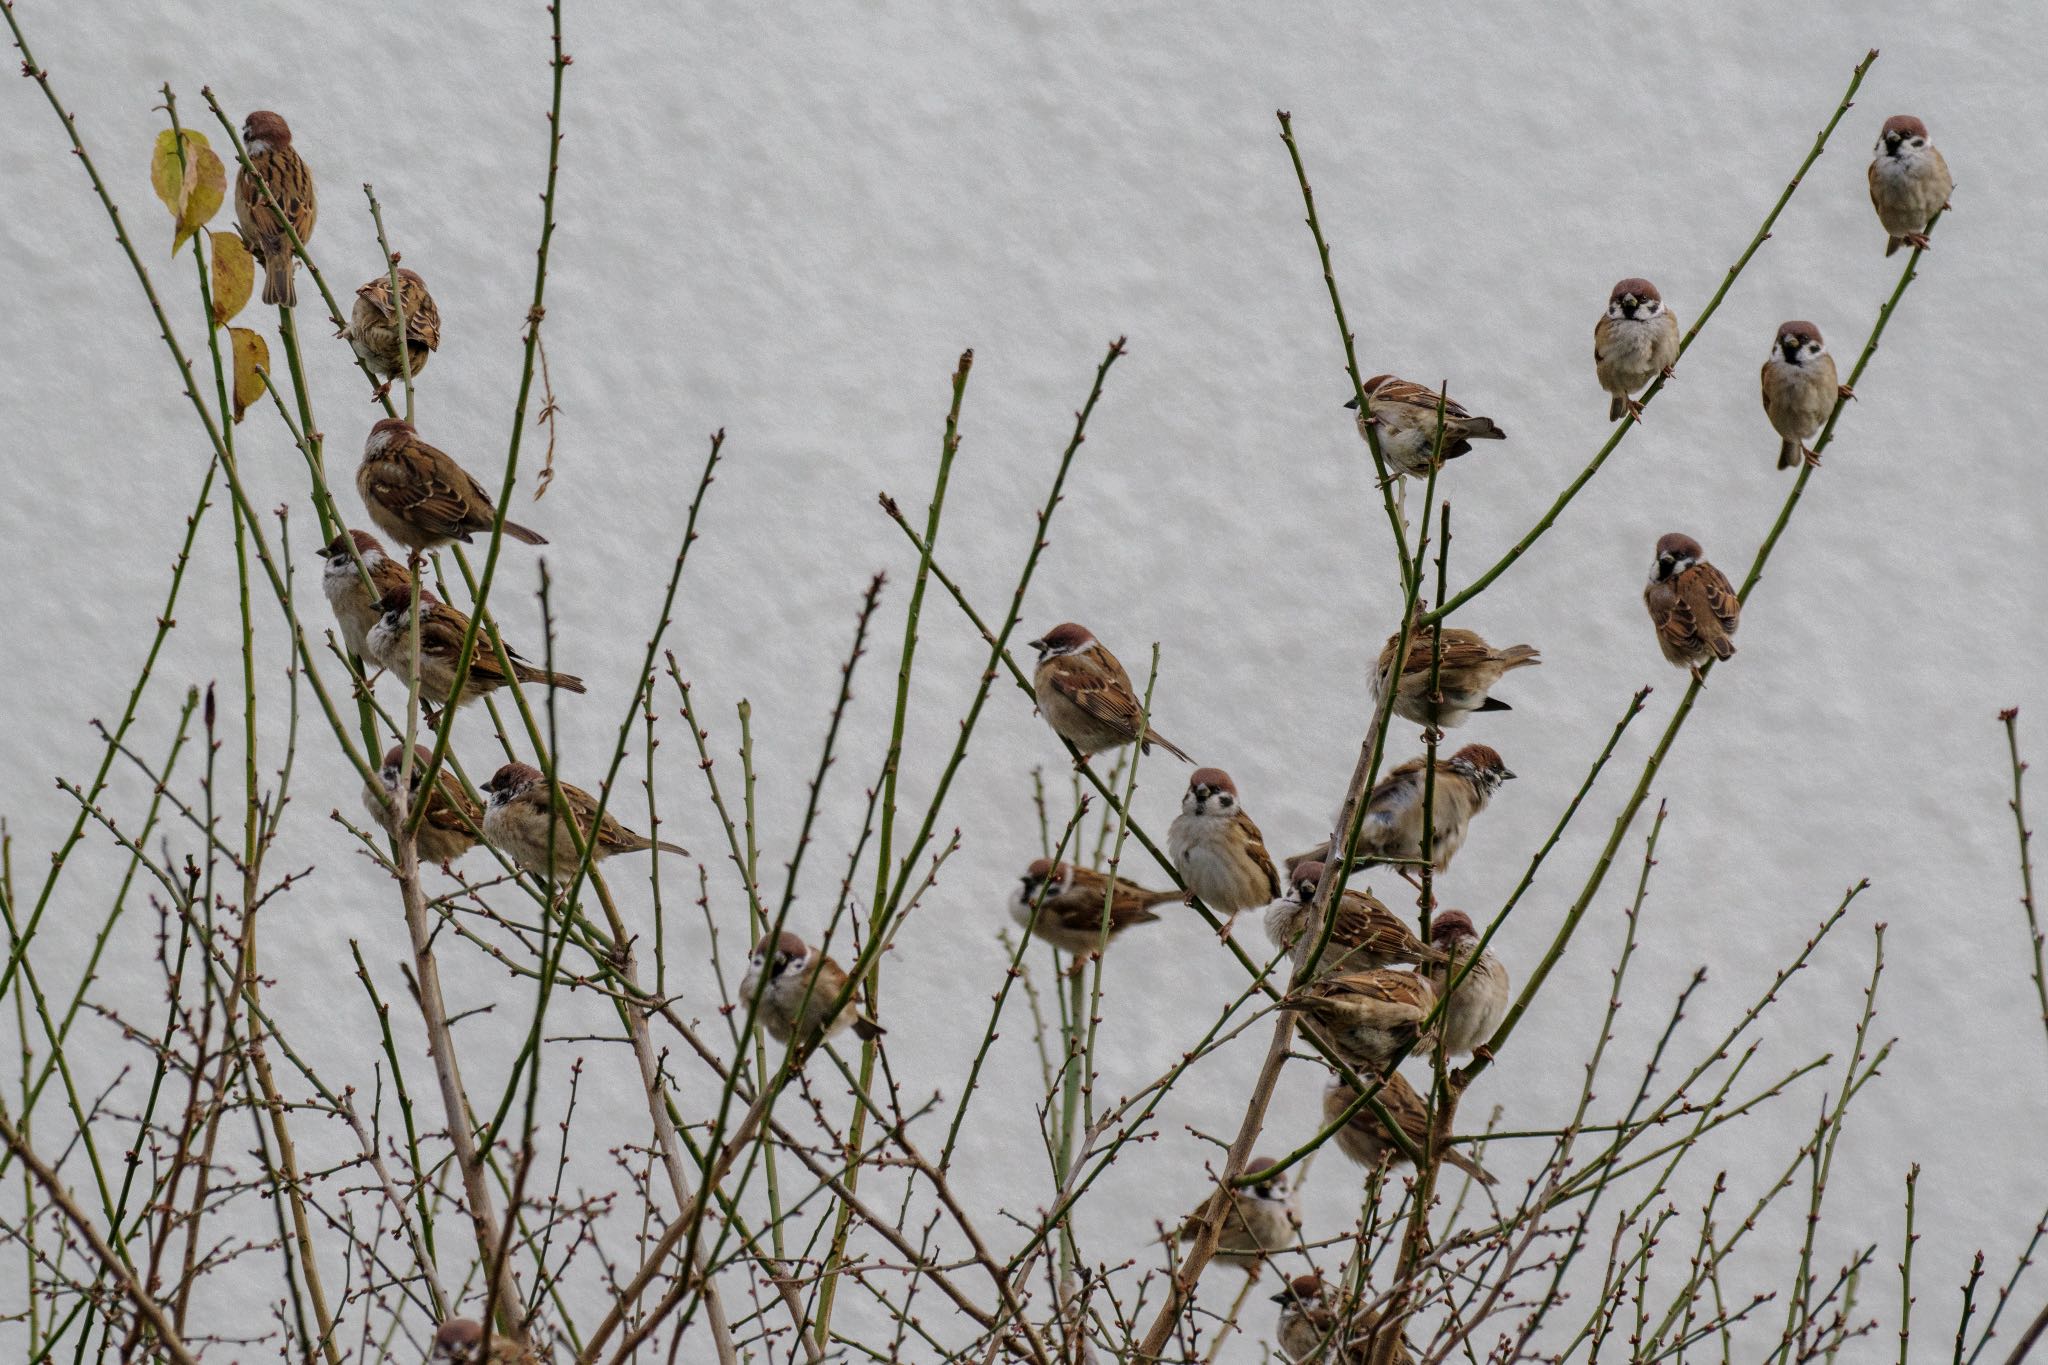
1635 409
1811 456
1918 240
1697 676
1670 372
1845 391
1483 1053
378 394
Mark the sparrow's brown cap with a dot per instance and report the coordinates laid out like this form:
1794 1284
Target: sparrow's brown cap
1065 636
1678 545
1902 126
788 943
366 545
1454 925
1798 331
513 777
1484 757
264 126
1637 286
1215 779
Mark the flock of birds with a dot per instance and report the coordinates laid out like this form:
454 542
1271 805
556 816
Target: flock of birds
1375 983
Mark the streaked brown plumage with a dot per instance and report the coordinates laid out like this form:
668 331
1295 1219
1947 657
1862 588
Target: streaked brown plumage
373 326
1691 603
521 814
1086 696
1367 1016
419 496
452 823
1392 829
1405 414
801 985
442 628
268 142
1257 1220
1465 677
1365 1140
1365 934
1070 917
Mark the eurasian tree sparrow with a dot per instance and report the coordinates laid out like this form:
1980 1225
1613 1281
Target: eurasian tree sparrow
1800 390
1692 605
1480 1001
801 986
1405 414
358 608
1218 850
460 1341
1367 1016
1085 695
1364 1139
1909 182
1366 934
1635 341
373 326
1465 677
519 818
442 627
1258 1220
1070 917
1465 782
450 827
1311 1329
276 163
419 496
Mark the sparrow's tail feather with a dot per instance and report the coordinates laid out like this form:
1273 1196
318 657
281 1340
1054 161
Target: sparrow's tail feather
277 277
1893 244
1617 408
1319 854
1154 737
1494 704
1453 1157
1483 429
1788 454
666 847
867 1029
568 682
1519 656
525 533
1724 648
1150 898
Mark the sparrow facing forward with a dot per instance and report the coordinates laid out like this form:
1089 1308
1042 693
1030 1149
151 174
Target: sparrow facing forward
1692 605
419 496
450 827
1635 341
373 327
1366 934
801 986
1364 1138
460 1341
1909 182
276 164
1086 696
1312 1330
357 607
1405 414
1218 850
1465 677
1062 904
1479 1002
1799 390
442 628
1369 1016
520 819
1258 1220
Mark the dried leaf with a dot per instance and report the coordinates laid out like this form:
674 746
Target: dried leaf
204 194
234 275
252 353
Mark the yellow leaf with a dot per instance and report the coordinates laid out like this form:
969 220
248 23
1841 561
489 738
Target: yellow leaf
234 273
203 195
251 354
191 187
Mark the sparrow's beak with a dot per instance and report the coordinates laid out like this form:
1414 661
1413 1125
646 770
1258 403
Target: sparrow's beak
1353 405
1284 1296
1506 776
1892 145
1034 644
1790 348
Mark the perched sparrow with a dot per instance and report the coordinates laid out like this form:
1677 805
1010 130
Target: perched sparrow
358 608
1468 670
1367 1016
1258 1220
1909 182
801 986
373 327
1062 904
1365 1140
420 497
1217 849
276 164
1311 1328
1465 782
519 820
1366 933
449 828
1799 390
1405 413
442 627
460 1341
1480 1001
1635 341
1086 696
1691 604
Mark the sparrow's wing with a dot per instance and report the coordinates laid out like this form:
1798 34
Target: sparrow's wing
1676 624
1871 175
1716 594
1364 923
447 812
377 293
1462 649
429 490
1255 849
1104 693
1397 789
422 317
1392 390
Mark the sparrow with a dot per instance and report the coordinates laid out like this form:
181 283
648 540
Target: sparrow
1392 830
373 327
517 823
1366 933
1799 390
1218 850
801 986
1479 1002
460 1341
1691 604
1635 341
419 496
1311 1328
1405 413
1465 676
449 828
275 163
1062 904
1364 1139
1367 1016
1085 695
442 628
357 606
1259 1219
1909 182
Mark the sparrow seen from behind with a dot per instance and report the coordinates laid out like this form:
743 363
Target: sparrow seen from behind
419 496
276 165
